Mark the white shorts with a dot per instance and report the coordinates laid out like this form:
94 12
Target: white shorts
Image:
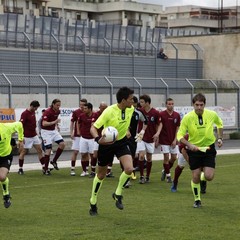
96 146
86 145
76 144
143 146
181 160
50 136
169 149
29 142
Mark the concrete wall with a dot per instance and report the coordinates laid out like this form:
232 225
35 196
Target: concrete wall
221 54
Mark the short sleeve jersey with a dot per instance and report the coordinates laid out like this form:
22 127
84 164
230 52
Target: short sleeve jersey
115 117
50 115
85 122
170 124
75 115
6 131
201 132
153 122
29 123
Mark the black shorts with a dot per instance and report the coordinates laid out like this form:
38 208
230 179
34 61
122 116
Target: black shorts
6 161
202 159
106 153
132 145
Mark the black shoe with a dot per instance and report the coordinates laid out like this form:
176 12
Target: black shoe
142 180
54 165
47 172
169 180
20 171
110 175
147 180
92 175
118 199
163 175
93 210
197 204
6 201
203 185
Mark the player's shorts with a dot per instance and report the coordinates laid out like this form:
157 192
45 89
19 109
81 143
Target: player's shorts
6 161
169 149
106 152
202 159
86 145
76 144
50 136
29 142
95 146
143 146
181 160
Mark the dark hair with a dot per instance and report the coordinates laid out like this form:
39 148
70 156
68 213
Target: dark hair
88 105
135 99
83 100
168 100
43 110
123 93
146 98
35 103
199 97
56 100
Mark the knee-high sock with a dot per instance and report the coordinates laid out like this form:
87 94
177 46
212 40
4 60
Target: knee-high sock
20 162
196 190
5 186
46 160
149 168
57 154
141 168
97 183
177 174
123 179
93 164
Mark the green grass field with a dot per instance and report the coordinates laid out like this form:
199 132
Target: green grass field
56 207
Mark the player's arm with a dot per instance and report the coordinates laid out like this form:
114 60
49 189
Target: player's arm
97 138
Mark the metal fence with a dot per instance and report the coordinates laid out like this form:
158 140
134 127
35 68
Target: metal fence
14 88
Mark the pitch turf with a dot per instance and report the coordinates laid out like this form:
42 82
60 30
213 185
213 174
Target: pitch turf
56 207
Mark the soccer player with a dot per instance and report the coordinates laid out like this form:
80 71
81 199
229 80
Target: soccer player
50 133
134 136
169 124
199 124
31 139
119 116
102 107
151 135
74 135
86 140
6 131
182 162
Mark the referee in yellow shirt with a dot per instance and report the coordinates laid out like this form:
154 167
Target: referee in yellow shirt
6 131
199 124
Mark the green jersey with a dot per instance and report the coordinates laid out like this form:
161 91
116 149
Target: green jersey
201 131
6 131
115 117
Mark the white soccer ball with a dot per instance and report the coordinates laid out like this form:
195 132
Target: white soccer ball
110 134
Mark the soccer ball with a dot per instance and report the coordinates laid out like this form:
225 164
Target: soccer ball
110 134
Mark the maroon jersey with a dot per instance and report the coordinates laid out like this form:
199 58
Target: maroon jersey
153 122
50 115
170 124
75 115
28 120
85 122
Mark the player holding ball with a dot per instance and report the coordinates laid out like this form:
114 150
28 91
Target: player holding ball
118 116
